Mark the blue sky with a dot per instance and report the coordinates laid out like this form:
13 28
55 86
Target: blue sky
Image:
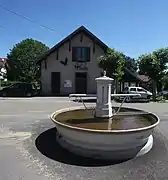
131 26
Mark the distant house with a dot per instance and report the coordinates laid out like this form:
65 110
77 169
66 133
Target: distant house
71 65
132 78
2 61
2 67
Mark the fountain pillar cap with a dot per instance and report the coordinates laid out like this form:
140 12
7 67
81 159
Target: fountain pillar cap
104 78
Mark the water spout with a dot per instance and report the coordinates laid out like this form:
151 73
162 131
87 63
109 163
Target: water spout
104 73
110 123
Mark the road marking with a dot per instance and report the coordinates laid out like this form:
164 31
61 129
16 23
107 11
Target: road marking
23 115
36 100
16 98
7 115
15 135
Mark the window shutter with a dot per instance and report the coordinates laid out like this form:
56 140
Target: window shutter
93 47
81 37
57 55
73 54
45 64
69 45
88 54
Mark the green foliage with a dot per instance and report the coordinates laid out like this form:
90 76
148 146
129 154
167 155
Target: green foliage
161 99
130 63
21 64
149 66
155 64
165 82
8 83
113 62
120 68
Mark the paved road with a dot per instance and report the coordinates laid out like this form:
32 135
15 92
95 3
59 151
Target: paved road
28 149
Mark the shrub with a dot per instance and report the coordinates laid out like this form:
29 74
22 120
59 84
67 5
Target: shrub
160 98
7 83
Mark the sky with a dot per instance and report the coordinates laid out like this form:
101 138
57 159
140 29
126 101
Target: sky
133 27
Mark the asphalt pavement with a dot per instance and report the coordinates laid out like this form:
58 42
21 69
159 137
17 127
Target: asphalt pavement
28 149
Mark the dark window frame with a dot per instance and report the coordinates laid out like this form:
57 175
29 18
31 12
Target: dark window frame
88 54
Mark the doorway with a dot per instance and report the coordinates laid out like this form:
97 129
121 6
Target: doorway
81 82
55 83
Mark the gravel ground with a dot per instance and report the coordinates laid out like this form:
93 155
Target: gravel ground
28 149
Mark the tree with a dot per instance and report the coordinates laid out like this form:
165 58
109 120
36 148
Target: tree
21 63
113 63
165 82
131 63
154 65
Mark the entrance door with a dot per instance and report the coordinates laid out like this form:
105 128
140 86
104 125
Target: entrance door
81 82
55 83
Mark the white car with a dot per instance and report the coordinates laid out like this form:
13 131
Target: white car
145 94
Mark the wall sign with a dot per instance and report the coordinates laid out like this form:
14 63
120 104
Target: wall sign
64 62
81 66
67 83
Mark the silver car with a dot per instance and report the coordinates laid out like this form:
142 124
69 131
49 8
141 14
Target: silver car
145 94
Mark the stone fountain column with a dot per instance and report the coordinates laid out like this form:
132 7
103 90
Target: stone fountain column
103 104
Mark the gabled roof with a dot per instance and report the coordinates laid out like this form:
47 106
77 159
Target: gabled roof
80 29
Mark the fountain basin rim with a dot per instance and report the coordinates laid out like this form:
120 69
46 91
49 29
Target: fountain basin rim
53 115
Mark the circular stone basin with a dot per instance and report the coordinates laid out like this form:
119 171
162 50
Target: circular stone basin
124 136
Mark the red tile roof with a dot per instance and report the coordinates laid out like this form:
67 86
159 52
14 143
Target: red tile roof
144 78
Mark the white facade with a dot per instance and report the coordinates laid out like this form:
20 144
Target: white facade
67 83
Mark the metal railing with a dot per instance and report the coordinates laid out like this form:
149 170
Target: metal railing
79 97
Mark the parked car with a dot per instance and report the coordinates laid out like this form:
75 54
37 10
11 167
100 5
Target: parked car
145 94
18 90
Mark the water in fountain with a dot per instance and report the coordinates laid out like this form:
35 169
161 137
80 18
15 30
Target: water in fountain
85 119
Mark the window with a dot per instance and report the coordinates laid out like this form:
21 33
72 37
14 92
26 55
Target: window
132 89
126 89
80 54
141 90
15 86
133 84
126 84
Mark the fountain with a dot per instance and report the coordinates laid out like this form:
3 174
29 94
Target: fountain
105 132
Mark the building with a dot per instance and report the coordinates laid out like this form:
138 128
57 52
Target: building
2 68
71 66
132 78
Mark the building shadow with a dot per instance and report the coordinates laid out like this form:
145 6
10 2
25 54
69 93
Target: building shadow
86 100
47 144
89 100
